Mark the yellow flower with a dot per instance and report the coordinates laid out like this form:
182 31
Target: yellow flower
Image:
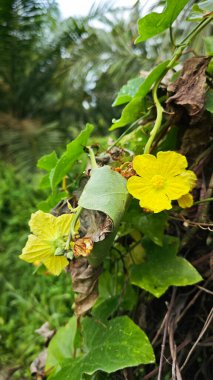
48 241
161 180
187 199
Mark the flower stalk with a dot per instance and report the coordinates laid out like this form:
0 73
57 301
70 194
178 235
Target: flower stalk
72 233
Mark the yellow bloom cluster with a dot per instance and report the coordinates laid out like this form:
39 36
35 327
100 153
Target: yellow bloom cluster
47 243
161 180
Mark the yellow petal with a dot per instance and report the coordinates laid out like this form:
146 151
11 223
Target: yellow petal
190 176
185 201
145 165
36 249
176 187
43 225
63 223
55 264
136 186
171 163
156 201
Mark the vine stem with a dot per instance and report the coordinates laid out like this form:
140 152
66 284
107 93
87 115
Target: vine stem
158 120
202 201
92 157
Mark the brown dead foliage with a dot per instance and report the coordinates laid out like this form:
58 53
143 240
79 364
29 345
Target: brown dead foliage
189 89
84 283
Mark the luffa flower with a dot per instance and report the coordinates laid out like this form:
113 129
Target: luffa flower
160 180
187 199
47 243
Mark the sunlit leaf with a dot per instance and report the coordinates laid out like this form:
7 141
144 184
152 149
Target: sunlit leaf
135 108
48 161
162 268
200 10
155 23
133 111
68 158
128 91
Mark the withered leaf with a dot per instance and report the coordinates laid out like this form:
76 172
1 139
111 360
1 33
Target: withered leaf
45 331
189 88
95 224
38 365
85 283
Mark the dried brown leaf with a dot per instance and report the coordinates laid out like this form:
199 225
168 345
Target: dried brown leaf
95 224
189 88
38 365
45 331
85 283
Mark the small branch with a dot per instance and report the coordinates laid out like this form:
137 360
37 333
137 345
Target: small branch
205 327
205 290
168 315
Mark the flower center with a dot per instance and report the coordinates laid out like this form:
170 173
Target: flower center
59 247
158 181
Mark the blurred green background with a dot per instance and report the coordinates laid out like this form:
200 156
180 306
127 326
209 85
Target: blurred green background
56 74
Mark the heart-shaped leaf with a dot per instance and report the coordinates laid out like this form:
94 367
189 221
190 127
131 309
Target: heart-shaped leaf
110 346
162 268
73 152
134 109
155 23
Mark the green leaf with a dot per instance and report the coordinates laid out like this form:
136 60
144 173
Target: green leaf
62 344
117 344
206 5
155 23
151 225
200 10
135 108
105 191
105 308
45 182
208 41
51 201
162 268
48 161
133 111
209 101
151 79
128 91
73 153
